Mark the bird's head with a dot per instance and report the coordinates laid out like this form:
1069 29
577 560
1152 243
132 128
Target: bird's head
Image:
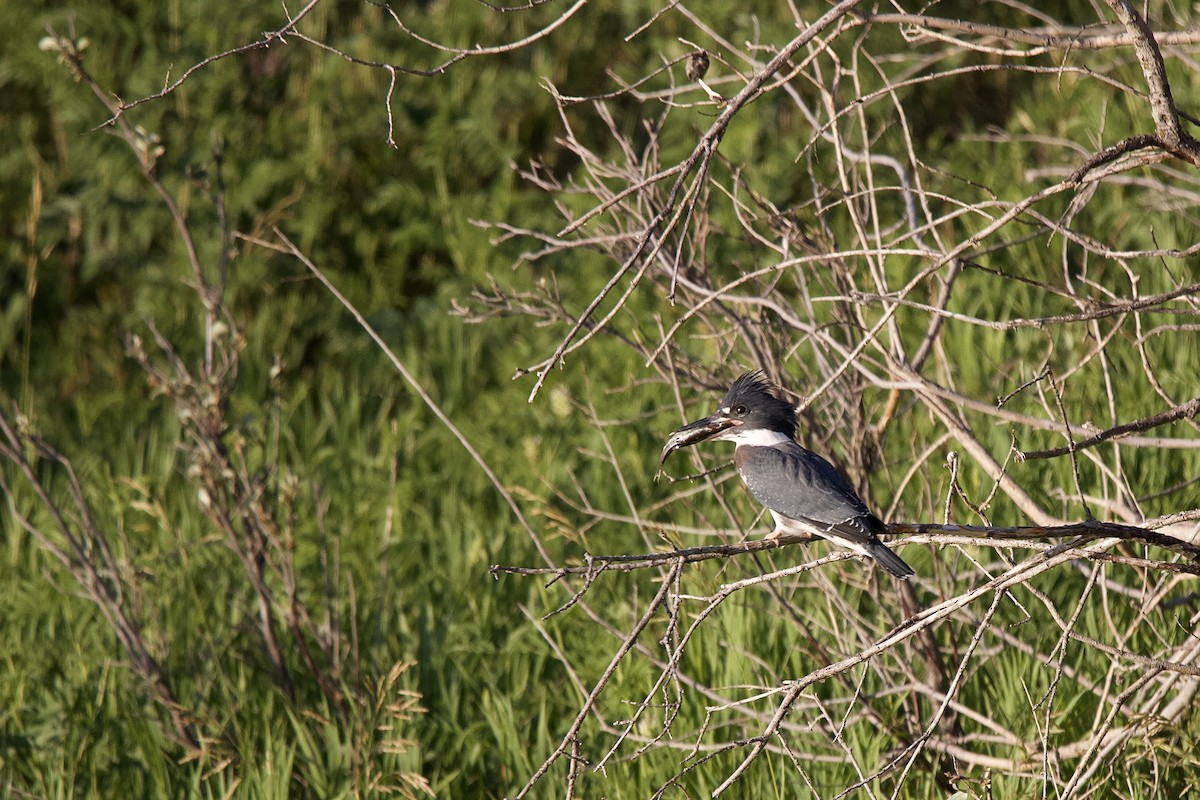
749 413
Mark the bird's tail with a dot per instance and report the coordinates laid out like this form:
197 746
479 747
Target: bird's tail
890 561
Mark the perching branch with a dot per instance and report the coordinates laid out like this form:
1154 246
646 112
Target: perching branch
994 537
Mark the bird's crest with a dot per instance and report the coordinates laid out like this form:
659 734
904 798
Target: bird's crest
755 381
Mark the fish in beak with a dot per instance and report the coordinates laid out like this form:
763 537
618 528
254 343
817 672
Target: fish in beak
694 433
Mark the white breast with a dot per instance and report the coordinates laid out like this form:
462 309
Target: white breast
757 437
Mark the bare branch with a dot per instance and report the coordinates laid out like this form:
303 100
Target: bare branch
1162 103
1186 410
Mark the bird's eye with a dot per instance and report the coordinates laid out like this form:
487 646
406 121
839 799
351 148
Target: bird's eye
740 411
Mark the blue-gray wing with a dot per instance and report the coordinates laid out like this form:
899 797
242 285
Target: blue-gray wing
799 484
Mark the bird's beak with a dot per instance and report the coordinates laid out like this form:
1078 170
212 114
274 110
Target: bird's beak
695 432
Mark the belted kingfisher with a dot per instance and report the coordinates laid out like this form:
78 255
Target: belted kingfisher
803 492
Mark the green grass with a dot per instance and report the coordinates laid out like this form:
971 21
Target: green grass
386 528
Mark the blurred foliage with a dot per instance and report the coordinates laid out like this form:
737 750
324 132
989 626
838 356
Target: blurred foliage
89 254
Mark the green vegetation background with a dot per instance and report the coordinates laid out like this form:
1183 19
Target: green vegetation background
304 140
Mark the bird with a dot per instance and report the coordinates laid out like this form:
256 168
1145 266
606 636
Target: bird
802 490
